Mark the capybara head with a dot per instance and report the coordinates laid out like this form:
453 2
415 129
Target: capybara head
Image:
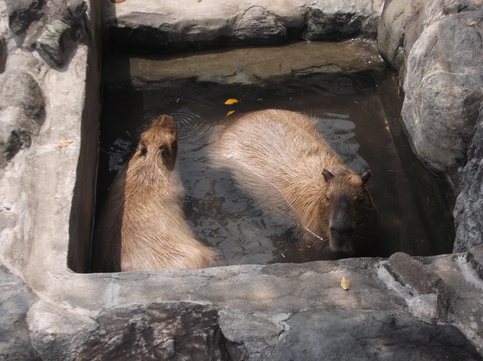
350 208
158 144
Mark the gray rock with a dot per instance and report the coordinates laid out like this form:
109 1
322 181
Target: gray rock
11 142
180 331
443 92
198 34
22 111
390 34
15 301
336 20
216 24
427 294
367 335
258 26
468 210
402 22
142 31
54 43
21 13
475 257
20 90
456 6
56 332
76 18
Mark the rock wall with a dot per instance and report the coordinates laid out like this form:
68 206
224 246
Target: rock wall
206 24
437 48
413 308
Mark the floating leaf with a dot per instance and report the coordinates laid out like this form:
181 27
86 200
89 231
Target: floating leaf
231 101
117 1
230 113
64 143
345 284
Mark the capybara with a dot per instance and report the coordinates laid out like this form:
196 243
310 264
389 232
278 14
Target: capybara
284 150
142 226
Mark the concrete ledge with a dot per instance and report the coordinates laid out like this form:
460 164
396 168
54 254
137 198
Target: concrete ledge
172 26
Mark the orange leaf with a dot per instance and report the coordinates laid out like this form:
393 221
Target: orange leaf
117 1
231 101
230 113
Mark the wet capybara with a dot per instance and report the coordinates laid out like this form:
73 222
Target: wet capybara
142 226
283 149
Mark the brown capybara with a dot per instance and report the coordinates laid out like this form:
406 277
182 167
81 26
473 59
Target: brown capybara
283 149
142 226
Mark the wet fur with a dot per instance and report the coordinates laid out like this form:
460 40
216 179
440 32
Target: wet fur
142 226
284 149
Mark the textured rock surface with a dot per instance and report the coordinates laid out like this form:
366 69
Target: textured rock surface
180 331
15 299
367 335
443 92
54 41
21 13
339 20
436 46
246 312
173 26
429 296
22 108
258 26
468 211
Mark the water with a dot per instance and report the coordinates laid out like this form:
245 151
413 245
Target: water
413 216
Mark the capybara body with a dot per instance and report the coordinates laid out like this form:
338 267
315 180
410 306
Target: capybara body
284 150
142 225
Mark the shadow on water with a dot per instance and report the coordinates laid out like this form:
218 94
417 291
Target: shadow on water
354 114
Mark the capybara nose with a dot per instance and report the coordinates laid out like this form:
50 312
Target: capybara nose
341 231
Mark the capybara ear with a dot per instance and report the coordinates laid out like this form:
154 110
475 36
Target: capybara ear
142 149
169 153
366 176
327 175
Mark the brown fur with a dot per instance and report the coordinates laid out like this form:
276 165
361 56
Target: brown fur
283 149
142 226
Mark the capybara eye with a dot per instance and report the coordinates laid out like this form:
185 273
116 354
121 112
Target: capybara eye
163 151
327 197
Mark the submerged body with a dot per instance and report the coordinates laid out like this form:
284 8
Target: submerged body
282 149
142 226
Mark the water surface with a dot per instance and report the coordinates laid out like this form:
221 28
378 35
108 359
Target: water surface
413 216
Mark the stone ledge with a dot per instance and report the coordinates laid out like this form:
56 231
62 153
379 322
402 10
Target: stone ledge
172 26
245 66
255 312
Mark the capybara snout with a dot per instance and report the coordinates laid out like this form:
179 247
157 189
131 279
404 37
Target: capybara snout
142 225
347 196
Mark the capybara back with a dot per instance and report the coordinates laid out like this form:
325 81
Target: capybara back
284 149
142 226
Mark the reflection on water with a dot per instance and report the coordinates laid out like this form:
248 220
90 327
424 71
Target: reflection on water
349 115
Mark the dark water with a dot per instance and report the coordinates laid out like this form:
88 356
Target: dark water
413 215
